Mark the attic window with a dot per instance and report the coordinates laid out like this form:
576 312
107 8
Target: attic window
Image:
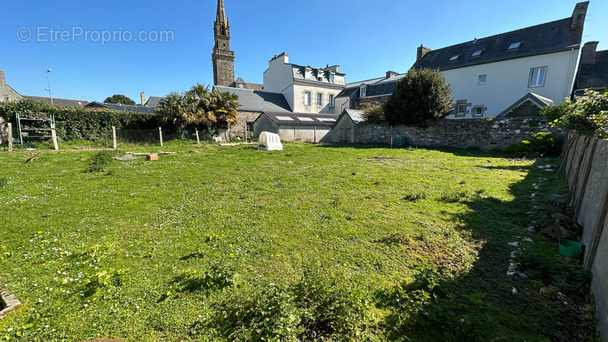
477 53
454 58
514 46
326 120
284 118
305 119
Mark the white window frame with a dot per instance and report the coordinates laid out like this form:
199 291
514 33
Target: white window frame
474 112
362 90
332 100
482 79
307 98
320 99
537 77
332 78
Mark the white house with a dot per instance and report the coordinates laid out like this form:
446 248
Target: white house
306 89
491 74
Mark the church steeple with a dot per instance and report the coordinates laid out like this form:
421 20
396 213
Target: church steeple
222 57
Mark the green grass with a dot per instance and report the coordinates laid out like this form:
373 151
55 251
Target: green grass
313 242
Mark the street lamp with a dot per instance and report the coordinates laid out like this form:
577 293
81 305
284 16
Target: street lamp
49 84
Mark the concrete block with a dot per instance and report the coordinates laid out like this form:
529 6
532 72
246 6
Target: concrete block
599 283
593 206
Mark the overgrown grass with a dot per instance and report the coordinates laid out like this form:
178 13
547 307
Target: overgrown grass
312 243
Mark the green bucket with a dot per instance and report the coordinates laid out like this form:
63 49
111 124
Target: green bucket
570 249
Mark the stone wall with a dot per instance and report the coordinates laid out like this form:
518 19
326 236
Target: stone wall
484 134
586 166
238 131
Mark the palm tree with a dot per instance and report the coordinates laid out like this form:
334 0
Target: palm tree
172 110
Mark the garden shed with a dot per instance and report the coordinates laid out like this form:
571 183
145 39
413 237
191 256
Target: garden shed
296 126
344 129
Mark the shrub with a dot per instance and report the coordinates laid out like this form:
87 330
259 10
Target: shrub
540 143
100 161
586 116
373 112
420 96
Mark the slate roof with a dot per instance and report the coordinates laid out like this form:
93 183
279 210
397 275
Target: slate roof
302 119
257 100
122 108
374 87
154 101
544 38
594 75
355 115
59 102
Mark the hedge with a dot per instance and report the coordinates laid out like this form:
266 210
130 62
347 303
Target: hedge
73 123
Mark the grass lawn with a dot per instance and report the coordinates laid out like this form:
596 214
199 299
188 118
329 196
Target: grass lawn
316 242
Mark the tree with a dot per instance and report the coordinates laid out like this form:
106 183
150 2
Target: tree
119 99
199 107
420 96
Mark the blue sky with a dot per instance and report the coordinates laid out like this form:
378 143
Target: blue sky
365 37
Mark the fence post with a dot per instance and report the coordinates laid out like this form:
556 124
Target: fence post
114 137
198 140
160 135
10 137
54 137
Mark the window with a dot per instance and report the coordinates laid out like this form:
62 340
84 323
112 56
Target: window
537 77
362 90
307 98
308 74
454 58
514 46
332 100
249 126
478 111
319 99
284 118
301 118
461 108
482 79
331 78
477 53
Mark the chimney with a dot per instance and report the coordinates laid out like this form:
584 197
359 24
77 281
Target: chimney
334 68
283 57
578 15
390 74
588 53
422 50
143 98
2 78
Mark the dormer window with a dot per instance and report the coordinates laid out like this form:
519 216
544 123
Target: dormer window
514 46
331 78
308 73
362 90
454 58
477 53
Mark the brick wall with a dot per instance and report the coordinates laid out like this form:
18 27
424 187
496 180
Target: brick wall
484 134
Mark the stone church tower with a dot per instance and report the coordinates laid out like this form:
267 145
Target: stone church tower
222 57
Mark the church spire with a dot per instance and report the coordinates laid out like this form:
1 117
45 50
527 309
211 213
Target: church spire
222 57
221 13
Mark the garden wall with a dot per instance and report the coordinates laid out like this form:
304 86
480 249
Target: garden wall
484 134
586 166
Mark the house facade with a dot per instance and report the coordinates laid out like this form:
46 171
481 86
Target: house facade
490 74
306 89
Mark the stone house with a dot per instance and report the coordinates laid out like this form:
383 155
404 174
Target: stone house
253 104
296 126
306 89
592 71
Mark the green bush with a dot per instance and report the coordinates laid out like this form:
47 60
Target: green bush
373 112
586 116
100 161
540 143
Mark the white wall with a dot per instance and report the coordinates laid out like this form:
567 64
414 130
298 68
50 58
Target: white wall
279 75
507 81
